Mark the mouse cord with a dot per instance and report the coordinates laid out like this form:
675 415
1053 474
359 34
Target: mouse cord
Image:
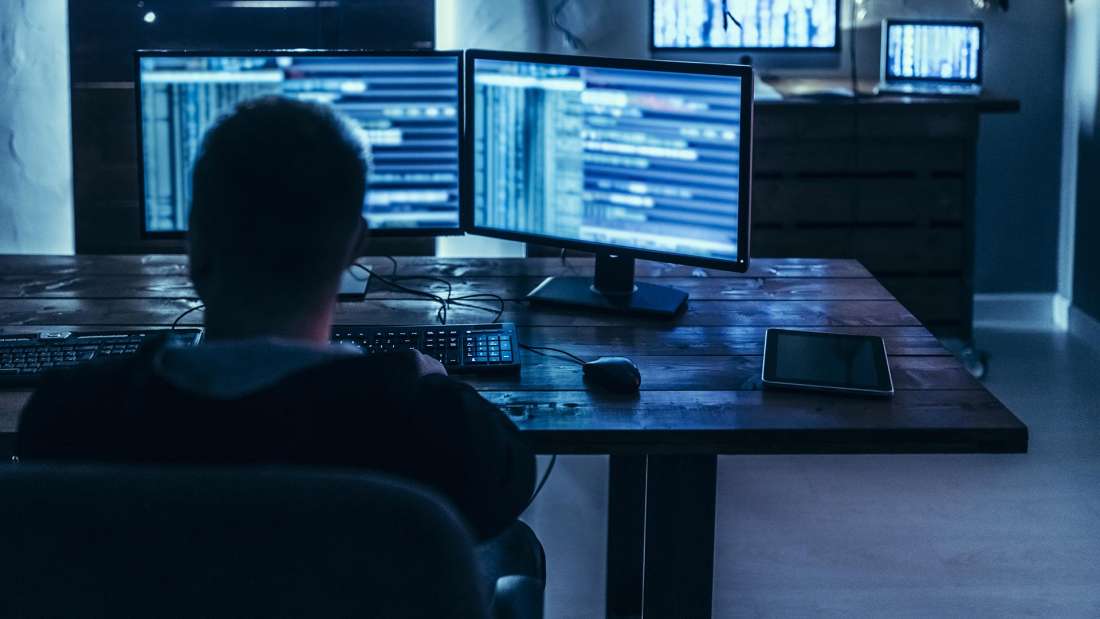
542 482
538 349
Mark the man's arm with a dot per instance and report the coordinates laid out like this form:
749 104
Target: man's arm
485 465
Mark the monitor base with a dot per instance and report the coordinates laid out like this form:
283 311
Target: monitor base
646 299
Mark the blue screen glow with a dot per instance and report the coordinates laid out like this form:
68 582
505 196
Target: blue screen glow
744 23
408 106
624 157
933 51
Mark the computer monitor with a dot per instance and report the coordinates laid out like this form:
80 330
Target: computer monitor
408 102
772 33
932 50
624 158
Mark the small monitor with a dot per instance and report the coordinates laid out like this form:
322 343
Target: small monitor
746 24
409 103
932 50
624 158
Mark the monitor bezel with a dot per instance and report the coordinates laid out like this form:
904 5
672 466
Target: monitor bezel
740 264
654 48
147 234
885 77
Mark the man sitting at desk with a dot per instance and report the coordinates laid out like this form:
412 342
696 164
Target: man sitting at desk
275 219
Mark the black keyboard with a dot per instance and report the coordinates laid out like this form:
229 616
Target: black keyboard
460 348
23 358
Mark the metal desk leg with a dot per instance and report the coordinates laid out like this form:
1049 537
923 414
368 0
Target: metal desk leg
679 536
625 536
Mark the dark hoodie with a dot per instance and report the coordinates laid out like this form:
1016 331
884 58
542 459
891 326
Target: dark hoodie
280 402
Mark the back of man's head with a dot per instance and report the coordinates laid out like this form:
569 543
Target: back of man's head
277 198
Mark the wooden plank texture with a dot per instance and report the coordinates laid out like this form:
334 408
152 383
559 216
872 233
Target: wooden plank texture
133 286
701 390
165 264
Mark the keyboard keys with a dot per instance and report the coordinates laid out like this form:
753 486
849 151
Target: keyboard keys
459 348
24 358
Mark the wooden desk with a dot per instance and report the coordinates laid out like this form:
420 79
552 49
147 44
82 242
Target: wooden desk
700 394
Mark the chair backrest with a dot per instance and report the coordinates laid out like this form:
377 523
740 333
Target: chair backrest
83 541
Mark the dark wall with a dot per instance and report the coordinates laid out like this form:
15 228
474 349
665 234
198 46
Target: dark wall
103 35
1086 271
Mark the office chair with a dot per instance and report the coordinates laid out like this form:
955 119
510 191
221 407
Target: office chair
118 541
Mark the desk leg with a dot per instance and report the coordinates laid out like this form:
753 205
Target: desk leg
679 536
625 536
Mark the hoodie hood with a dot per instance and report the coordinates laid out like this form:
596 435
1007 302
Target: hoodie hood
232 369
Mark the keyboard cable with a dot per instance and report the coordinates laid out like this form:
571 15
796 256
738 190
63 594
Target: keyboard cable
176 322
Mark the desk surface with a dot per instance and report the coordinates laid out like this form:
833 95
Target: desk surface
700 374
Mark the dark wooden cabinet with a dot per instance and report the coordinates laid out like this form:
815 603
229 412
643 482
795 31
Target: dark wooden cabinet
886 180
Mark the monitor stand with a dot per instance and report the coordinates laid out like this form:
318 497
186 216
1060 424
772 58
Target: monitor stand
613 289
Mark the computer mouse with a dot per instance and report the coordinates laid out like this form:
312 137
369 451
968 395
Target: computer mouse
617 374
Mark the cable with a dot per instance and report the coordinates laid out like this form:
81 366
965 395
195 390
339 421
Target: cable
444 302
176 322
542 482
394 261
852 50
538 349
441 313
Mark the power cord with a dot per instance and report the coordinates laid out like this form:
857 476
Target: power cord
852 50
444 302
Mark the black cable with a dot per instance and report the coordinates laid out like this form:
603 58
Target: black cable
538 349
542 482
852 50
482 295
176 322
441 313
444 302
394 261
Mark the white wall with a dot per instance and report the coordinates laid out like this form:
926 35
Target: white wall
1081 94
36 213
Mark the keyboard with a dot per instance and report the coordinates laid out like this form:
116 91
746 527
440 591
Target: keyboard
23 358
462 349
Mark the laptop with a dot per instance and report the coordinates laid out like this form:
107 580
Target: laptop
931 58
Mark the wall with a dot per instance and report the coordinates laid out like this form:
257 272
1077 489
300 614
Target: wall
35 161
1019 164
1082 195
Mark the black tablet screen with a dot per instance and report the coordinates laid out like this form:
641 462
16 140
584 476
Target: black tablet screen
827 359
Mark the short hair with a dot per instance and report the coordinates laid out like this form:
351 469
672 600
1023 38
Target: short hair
277 196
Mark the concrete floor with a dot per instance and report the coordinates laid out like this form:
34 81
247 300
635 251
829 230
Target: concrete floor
888 536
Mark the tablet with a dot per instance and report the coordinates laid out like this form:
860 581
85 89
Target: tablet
827 362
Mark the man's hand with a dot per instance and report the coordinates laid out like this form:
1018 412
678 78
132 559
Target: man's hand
426 365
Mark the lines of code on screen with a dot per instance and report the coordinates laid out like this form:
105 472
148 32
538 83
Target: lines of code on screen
937 51
407 105
630 158
744 23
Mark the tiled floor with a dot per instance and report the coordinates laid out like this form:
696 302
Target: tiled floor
889 536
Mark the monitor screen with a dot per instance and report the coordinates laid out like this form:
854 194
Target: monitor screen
649 160
409 106
933 51
745 24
